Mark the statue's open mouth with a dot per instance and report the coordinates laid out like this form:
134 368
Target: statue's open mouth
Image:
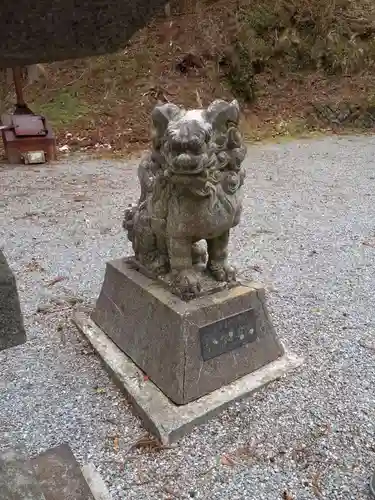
188 164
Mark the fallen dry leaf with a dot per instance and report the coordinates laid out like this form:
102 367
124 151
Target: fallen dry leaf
171 492
50 308
368 345
147 443
287 496
70 299
368 243
87 352
100 390
79 197
315 310
227 460
56 280
34 265
315 483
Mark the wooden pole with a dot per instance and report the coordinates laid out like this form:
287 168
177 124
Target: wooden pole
17 78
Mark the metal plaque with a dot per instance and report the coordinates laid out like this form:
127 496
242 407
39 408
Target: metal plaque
227 334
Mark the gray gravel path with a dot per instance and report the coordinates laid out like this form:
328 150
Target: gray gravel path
309 230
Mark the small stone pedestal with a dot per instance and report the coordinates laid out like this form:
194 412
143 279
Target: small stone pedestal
178 361
187 349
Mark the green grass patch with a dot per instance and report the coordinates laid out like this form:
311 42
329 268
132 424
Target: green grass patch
64 108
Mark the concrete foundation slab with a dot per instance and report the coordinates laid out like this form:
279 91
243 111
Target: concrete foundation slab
166 420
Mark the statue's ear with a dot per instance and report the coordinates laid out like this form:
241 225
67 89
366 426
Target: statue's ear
162 115
220 113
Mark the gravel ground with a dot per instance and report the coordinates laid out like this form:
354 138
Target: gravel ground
308 233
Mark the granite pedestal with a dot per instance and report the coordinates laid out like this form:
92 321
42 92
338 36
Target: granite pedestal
181 362
187 349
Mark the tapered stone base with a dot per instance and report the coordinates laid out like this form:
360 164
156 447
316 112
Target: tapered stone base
187 349
166 420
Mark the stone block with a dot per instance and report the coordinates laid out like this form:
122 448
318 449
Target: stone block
187 349
53 475
17 479
12 332
60 476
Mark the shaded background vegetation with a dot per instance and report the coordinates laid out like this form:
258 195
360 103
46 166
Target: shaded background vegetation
296 65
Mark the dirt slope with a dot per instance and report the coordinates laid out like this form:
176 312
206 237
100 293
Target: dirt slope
296 66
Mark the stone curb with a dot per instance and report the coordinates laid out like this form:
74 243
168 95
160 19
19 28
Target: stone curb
167 421
95 482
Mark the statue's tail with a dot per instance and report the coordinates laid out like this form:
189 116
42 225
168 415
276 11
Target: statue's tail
128 221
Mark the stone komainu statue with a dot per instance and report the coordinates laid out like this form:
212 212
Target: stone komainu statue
190 191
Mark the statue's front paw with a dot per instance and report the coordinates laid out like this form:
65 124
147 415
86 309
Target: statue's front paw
160 265
186 284
222 272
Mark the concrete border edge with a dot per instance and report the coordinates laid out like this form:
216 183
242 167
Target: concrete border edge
95 482
159 415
